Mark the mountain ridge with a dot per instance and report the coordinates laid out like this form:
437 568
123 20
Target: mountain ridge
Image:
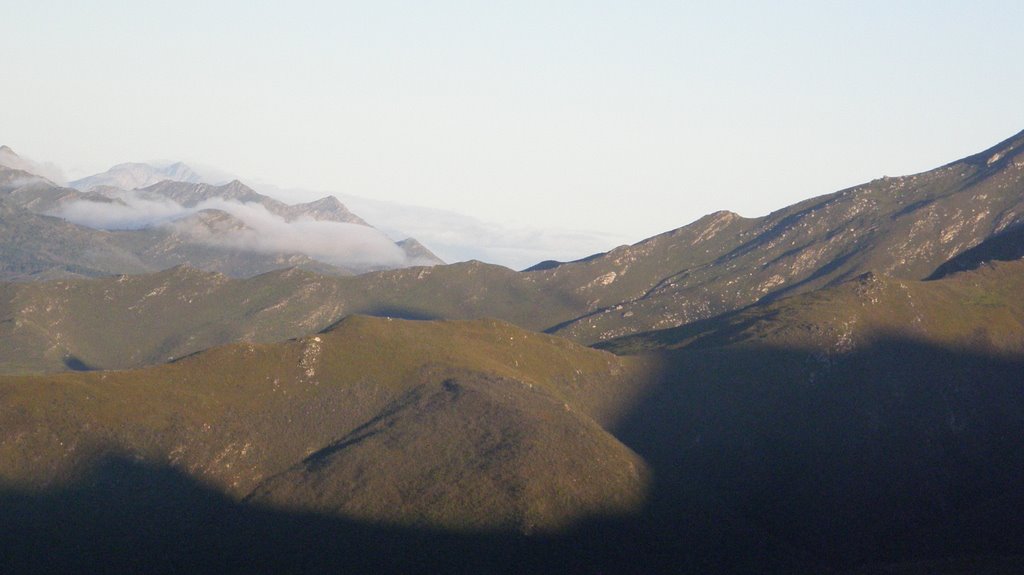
811 244
133 175
151 224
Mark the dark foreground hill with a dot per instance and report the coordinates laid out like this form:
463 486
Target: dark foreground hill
872 427
464 427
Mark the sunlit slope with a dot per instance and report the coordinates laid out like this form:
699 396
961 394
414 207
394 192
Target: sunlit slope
904 227
131 321
467 452
452 424
977 311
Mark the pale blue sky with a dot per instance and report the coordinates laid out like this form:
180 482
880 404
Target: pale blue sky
629 118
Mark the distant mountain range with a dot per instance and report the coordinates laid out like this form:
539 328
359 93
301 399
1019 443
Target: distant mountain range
112 225
833 388
451 235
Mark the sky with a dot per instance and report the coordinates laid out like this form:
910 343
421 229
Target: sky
568 126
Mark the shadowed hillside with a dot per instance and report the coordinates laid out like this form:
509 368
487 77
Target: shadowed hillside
875 422
128 516
896 452
1005 246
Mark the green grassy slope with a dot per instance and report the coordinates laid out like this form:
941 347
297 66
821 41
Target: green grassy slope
130 321
978 311
510 419
469 452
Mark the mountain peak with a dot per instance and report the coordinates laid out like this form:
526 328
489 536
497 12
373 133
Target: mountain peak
137 175
327 208
327 201
235 189
419 252
7 150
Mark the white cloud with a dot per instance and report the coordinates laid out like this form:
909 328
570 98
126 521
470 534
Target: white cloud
127 211
336 243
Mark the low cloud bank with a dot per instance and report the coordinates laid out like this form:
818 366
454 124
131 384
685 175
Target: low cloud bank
453 236
336 243
127 211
